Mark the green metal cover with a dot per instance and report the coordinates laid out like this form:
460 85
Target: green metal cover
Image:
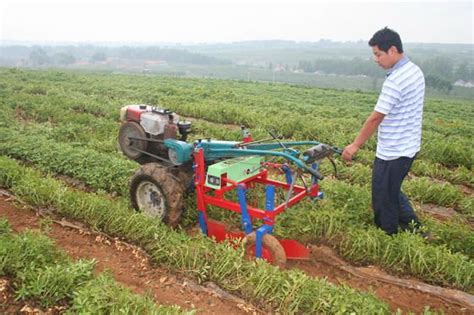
237 169
183 151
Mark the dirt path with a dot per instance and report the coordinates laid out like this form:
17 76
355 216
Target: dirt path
129 265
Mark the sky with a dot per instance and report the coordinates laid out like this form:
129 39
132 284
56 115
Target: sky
178 21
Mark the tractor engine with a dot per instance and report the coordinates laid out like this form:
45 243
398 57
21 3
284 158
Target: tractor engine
144 129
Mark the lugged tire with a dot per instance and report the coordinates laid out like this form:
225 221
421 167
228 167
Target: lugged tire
271 244
151 180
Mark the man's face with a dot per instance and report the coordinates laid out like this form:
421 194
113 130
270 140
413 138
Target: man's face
385 59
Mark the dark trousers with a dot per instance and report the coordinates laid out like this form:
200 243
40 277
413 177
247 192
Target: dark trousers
391 207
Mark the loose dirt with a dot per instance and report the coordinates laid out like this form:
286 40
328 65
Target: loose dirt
439 212
128 264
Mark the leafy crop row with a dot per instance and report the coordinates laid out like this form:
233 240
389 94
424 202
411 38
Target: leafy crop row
422 189
111 173
46 276
355 201
298 112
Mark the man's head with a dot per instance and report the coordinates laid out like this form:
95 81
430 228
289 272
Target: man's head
387 47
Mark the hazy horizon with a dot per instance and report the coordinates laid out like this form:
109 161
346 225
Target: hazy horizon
11 42
196 22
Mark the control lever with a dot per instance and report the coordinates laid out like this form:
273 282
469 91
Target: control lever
277 138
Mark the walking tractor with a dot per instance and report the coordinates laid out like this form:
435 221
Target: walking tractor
223 174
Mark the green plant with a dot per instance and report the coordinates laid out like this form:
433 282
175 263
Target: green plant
104 296
50 284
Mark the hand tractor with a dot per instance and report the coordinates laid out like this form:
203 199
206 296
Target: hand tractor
221 174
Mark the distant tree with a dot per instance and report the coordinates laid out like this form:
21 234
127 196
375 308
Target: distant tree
39 57
438 66
356 66
98 56
170 55
306 66
464 72
438 83
64 59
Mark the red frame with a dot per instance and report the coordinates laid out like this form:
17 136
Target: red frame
293 249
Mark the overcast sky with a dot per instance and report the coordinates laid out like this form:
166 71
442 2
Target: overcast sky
228 21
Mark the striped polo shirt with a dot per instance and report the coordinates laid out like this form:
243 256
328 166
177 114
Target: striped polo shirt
401 100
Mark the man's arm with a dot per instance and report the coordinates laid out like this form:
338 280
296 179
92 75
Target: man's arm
369 127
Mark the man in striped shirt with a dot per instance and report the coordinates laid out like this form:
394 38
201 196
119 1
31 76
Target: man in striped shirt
398 117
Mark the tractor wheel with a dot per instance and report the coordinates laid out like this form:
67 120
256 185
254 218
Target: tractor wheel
132 129
155 191
272 251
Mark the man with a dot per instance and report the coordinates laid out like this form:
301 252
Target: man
398 117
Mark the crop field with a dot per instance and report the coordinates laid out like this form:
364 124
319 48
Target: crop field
58 153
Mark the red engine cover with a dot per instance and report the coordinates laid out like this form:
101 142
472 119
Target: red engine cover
135 111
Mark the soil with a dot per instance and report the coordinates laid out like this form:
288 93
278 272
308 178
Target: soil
439 212
469 191
128 264
131 267
406 294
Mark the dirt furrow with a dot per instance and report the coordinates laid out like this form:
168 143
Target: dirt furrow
128 264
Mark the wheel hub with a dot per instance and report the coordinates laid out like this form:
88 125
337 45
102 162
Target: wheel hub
150 199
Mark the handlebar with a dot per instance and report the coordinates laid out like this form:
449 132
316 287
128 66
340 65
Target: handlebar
319 152
316 153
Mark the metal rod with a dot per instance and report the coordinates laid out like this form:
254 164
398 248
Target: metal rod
243 144
154 156
146 139
290 191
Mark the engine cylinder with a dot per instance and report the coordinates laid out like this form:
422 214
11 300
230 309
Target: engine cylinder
170 131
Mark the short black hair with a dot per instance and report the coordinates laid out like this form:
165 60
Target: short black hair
386 38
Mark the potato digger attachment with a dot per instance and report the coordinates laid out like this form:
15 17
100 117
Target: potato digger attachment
228 175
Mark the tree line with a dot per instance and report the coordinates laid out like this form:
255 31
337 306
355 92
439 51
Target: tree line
442 66
66 55
440 71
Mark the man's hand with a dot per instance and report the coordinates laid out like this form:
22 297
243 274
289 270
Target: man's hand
371 124
349 152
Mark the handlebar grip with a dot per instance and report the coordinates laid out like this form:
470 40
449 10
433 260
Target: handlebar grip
337 150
